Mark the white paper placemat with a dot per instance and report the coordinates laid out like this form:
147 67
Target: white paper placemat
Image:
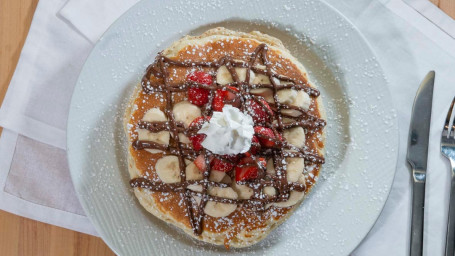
407 43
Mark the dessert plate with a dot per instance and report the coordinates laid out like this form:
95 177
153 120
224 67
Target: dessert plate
362 135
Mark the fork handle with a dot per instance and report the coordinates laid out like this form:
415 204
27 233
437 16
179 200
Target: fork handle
418 205
450 237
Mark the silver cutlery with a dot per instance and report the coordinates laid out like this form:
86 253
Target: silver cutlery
448 150
417 157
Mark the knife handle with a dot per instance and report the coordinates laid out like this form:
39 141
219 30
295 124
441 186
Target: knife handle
450 237
418 205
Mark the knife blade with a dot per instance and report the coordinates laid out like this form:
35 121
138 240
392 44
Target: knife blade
417 155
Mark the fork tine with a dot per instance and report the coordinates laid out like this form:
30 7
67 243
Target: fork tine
449 114
452 132
446 128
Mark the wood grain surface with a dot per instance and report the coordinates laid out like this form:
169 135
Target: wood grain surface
21 236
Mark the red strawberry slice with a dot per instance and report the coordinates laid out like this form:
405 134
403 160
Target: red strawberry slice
223 165
230 95
249 170
265 132
255 146
197 139
260 112
221 96
200 162
218 100
199 96
220 165
200 77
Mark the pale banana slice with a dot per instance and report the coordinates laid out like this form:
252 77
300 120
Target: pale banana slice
293 97
198 199
295 136
223 76
270 168
267 93
184 139
241 73
294 198
192 172
168 169
243 191
294 168
217 176
270 191
186 112
195 188
154 114
218 210
261 79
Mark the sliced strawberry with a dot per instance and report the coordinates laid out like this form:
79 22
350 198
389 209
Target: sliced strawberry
218 100
255 146
197 139
200 162
199 96
249 170
260 112
200 77
230 95
222 165
223 95
265 132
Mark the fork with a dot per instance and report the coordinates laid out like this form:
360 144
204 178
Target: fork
448 150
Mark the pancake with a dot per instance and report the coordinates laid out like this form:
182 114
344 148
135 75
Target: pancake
215 203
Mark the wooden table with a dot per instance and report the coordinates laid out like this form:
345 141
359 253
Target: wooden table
22 236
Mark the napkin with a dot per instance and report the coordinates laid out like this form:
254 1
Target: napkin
34 177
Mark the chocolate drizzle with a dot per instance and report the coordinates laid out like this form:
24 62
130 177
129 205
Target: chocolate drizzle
281 149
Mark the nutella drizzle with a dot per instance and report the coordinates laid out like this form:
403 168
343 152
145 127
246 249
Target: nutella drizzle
278 153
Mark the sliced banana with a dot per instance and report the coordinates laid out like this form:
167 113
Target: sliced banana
195 188
270 191
168 169
261 79
158 137
267 93
192 172
243 191
293 97
185 112
197 199
241 73
260 66
295 136
270 168
294 198
302 179
184 139
294 168
223 76
218 210
217 176
154 114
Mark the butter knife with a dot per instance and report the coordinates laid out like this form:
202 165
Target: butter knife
417 157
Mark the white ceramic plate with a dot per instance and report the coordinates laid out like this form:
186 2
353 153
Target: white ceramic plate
362 136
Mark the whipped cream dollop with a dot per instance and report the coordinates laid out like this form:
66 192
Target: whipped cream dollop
228 132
